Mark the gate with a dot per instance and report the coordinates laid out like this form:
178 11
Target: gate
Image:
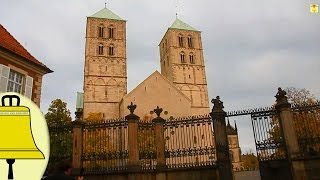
287 139
270 146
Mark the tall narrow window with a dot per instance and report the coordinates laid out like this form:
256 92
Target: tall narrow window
180 38
101 31
111 50
100 49
191 58
182 57
190 44
111 32
14 82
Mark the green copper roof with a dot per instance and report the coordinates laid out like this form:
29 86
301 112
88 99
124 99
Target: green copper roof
79 100
106 14
178 24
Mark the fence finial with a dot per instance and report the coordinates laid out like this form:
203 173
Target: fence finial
132 107
158 111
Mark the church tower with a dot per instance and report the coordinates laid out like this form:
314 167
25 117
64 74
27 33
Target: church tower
105 75
182 63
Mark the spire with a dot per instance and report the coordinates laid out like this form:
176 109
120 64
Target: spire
177 10
228 123
105 4
235 125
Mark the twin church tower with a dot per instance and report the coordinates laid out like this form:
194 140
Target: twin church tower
180 88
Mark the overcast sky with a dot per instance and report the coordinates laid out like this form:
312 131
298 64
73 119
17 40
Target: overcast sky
250 47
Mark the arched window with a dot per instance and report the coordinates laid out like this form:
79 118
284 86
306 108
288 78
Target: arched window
180 38
101 31
190 44
191 58
111 32
182 57
100 49
111 50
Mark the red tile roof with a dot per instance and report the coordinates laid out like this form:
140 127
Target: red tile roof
8 42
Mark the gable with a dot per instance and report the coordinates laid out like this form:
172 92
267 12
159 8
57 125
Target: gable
154 91
159 78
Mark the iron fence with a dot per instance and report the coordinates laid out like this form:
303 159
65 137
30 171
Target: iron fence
105 146
146 145
306 120
268 135
189 142
60 144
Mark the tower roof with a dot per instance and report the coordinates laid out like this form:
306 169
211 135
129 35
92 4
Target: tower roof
178 24
105 13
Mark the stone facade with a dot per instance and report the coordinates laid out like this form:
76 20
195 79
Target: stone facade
153 88
105 75
234 148
183 64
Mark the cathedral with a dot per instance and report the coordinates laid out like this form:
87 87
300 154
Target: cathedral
180 88
182 79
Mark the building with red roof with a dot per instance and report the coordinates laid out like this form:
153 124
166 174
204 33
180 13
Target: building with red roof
19 71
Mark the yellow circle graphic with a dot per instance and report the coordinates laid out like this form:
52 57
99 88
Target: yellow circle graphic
24 137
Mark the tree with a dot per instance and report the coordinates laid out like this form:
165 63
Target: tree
59 122
58 113
299 96
306 121
250 161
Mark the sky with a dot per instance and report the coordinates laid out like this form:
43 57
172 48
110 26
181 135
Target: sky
250 47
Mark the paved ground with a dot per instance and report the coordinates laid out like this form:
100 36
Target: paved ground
247 175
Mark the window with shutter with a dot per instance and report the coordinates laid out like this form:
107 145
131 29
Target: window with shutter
4 75
28 87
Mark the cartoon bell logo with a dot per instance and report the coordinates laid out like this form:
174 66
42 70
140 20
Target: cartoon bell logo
314 8
16 139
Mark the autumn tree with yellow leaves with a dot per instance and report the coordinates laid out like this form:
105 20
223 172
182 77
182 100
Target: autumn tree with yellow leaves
306 118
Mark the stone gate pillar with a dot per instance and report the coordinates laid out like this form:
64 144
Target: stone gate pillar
133 164
221 140
283 108
77 142
159 140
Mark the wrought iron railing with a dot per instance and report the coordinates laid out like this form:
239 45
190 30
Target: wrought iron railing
307 127
60 144
105 146
268 135
189 142
146 145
